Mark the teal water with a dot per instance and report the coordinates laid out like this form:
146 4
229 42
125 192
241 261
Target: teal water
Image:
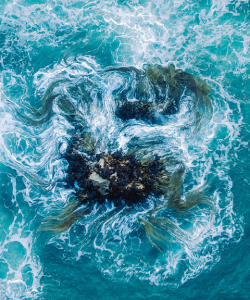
76 40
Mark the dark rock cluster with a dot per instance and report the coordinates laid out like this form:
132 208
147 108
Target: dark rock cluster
157 90
116 177
135 110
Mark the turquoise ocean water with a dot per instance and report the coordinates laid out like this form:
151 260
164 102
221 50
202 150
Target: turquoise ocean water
72 42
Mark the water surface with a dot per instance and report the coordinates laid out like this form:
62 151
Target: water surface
74 42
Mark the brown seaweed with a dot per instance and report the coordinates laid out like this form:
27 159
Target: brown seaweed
127 179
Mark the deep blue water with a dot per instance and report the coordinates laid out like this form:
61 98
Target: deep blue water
76 41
